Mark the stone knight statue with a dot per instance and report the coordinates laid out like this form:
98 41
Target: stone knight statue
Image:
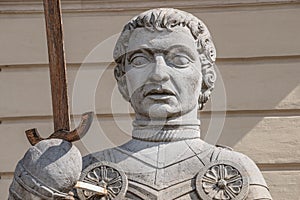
165 61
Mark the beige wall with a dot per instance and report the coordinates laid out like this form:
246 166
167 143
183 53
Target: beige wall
258 48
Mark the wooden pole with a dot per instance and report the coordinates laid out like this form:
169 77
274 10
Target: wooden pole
57 65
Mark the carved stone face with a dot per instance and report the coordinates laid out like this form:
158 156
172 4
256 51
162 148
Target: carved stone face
163 73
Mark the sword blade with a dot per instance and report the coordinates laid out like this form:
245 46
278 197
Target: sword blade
57 65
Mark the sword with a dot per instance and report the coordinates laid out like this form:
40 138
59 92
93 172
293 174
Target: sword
59 93
58 80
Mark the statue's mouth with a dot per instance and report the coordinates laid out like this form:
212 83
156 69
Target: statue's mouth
159 93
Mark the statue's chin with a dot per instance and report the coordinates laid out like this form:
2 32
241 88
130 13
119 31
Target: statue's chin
161 111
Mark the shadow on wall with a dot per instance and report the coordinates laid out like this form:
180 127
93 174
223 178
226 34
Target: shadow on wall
257 89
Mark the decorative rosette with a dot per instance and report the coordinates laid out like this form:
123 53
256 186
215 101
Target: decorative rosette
222 180
107 176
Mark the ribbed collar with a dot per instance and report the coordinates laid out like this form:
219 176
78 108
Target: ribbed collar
161 131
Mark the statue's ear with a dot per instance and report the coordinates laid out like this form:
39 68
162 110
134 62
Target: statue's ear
121 80
208 80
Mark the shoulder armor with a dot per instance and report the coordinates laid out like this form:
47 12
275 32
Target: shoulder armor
223 180
258 187
255 176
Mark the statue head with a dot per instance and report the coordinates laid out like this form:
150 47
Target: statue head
165 63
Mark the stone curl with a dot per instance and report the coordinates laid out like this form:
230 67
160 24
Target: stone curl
168 18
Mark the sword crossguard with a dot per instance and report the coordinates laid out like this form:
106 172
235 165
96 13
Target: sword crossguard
71 136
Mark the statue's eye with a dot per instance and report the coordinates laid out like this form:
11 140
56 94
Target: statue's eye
180 61
139 61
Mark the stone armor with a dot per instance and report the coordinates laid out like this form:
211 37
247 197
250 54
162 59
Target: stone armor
171 170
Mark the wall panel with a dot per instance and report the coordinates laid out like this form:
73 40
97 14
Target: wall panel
255 33
4 186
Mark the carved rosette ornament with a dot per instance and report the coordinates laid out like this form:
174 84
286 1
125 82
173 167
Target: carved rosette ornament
222 180
106 175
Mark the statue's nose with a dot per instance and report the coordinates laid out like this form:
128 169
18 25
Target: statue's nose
160 70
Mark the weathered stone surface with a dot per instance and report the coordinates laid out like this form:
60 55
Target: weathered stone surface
49 169
165 69
283 184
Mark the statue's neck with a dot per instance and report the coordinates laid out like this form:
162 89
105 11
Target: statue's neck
168 130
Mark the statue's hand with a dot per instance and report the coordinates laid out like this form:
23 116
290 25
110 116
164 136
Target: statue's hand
50 169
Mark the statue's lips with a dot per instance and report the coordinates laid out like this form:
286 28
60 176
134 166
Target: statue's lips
157 94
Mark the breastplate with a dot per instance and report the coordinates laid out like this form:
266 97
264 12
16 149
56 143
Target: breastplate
183 170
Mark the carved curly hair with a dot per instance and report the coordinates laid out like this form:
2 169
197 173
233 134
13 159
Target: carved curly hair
168 18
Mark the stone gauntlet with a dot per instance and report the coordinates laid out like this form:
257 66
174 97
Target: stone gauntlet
49 170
